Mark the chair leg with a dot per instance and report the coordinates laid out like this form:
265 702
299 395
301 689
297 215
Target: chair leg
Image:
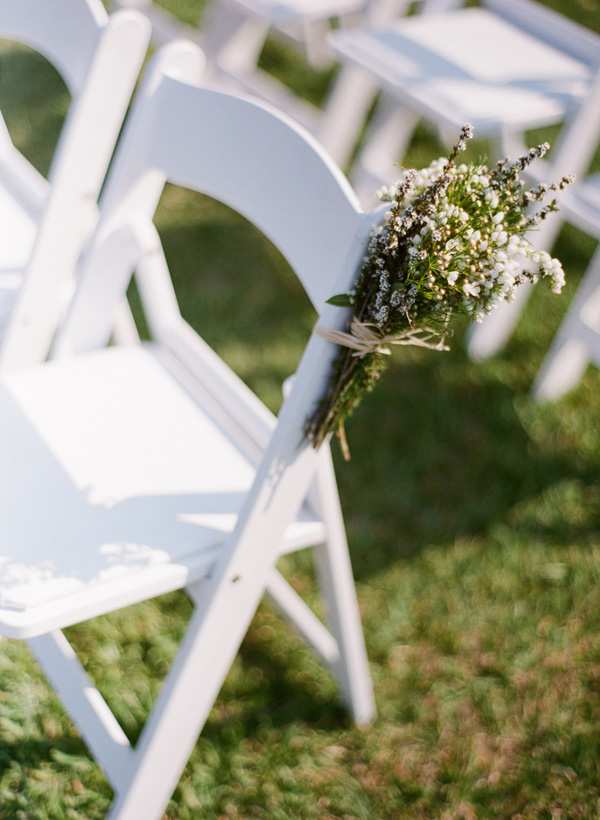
182 707
345 112
232 41
314 33
125 331
339 594
577 341
225 604
90 713
562 370
386 143
489 337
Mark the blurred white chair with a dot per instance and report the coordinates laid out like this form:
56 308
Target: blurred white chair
571 154
45 222
130 471
510 66
577 341
233 34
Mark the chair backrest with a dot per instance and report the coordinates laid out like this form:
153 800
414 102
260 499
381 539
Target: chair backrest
99 58
253 159
233 149
50 28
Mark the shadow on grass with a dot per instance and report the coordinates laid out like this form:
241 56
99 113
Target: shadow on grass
444 448
447 449
275 686
438 456
30 752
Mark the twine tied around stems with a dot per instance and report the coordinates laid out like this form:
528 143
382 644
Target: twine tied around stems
363 339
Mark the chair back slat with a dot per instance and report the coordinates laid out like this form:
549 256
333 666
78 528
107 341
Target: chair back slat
66 33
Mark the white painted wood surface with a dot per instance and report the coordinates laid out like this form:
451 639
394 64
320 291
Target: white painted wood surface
571 154
577 341
153 467
45 223
233 33
504 68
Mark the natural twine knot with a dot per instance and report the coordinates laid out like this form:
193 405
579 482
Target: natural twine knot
365 338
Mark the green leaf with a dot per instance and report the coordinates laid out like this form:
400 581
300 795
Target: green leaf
340 300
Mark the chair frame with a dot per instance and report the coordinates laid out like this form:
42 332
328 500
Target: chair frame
234 33
577 341
572 154
173 123
99 58
397 112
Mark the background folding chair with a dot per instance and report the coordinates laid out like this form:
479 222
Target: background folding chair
510 66
148 468
233 34
577 341
572 154
44 222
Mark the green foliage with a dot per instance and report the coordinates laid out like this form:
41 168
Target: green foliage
473 518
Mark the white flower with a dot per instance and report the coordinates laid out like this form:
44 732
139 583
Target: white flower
506 278
470 289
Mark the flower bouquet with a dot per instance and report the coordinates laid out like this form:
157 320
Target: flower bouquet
452 241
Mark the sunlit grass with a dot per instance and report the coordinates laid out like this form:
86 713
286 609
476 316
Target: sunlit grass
473 517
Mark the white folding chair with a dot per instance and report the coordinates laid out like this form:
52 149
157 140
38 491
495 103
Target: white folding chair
234 32
44 222
509 66
577 341
572 154
130 471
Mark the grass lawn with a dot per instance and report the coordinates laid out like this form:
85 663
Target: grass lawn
473 516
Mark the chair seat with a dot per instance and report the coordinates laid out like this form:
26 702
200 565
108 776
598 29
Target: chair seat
466 67
151 484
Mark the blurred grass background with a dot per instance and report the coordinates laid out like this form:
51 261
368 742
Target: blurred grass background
473 517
